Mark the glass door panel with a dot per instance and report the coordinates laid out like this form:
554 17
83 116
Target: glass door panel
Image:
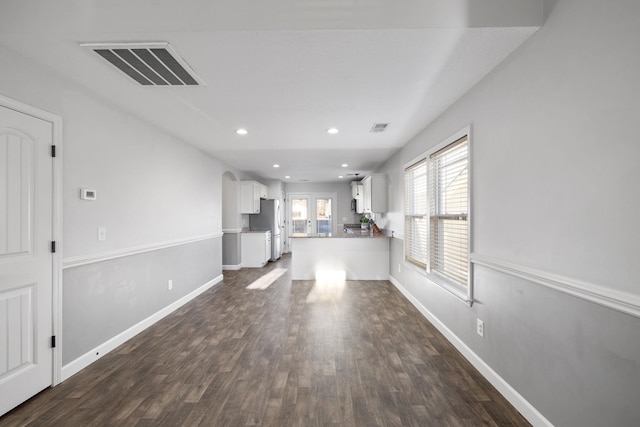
323 215
300 218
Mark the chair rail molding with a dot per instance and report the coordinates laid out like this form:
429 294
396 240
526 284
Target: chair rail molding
232 230
124 252
617 300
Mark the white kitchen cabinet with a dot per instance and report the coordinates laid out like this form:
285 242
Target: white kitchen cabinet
375 193
255 248
263 191
366 199
250 194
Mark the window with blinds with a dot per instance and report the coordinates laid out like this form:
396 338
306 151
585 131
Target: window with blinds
437 212
449 211
415 178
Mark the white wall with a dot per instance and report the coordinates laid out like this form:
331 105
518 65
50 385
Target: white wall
152 188
553 147
554 188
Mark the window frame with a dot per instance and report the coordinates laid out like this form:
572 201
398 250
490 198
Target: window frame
412 213
463 292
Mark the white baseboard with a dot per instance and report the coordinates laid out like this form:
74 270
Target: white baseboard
520 403
96 353
232 267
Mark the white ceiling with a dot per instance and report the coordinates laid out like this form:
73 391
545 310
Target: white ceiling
286 70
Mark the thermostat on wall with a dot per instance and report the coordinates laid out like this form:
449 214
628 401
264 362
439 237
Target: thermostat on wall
88 194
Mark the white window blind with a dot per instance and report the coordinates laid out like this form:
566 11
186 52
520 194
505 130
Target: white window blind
416 212
449 211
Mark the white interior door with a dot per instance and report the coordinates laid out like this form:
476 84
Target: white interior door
26 183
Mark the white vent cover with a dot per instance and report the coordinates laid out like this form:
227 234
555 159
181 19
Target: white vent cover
149 64
379 127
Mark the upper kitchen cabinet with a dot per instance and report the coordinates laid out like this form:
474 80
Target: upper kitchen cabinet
250 194
263 191
375 193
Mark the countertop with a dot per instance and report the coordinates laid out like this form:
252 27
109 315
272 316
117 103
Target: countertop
354 234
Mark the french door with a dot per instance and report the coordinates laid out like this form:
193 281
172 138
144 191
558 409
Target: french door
300 214
311 213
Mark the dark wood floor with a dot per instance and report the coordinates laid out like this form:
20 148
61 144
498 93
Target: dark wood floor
301 353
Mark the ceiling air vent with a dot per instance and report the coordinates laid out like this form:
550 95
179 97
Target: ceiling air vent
149 64
379 127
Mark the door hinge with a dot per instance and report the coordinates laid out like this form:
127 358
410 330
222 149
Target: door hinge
53 247
53 151
53 341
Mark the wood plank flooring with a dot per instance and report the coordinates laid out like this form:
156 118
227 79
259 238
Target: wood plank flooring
301 353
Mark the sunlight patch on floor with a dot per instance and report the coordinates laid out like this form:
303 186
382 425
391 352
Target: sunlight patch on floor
331 275
265 281
329 285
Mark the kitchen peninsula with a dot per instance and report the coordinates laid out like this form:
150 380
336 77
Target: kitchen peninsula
356 255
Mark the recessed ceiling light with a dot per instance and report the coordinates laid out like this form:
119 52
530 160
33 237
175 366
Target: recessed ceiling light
332 131
287 177
241 131
340 176
276 165
344 165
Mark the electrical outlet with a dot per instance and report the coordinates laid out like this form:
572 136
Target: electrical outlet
480 327
398 267
170 284
102 233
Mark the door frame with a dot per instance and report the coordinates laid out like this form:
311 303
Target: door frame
56 212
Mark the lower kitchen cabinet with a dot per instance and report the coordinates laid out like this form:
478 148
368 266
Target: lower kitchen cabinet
255 248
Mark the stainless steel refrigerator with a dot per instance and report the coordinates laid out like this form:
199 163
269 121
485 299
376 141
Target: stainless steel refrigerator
268 219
